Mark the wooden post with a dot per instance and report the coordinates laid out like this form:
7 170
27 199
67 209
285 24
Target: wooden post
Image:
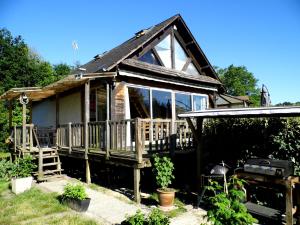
30 137
24 127
137 179
15 138
173 128
40 166
70 137
289 202
86 129
138 141
30 112
57 110
10 114
107 146
199 152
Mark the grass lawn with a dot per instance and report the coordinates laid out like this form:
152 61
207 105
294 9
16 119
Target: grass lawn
36 207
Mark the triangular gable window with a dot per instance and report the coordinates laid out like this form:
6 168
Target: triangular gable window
164 51
161 54
150 57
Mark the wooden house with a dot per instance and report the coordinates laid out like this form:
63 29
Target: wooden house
122 106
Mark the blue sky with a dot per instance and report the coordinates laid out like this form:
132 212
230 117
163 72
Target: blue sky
262 35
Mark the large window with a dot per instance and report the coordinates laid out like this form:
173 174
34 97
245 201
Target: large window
182 103
98 104
163 53
139 100
199 102
161 104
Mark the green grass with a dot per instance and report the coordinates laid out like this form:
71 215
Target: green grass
35 206
4 155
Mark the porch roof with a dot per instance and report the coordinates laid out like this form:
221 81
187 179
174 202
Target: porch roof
244 112
67 83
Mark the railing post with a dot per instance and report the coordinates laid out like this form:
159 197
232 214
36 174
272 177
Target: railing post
70 137
107 136
15 138
30 137
138 140
40 167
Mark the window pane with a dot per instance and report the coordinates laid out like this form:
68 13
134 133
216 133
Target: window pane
139 99
161 104
149 57
191 69
182 103
101 103
164 51
180 56
199 102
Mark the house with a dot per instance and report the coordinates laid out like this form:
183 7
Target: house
122 106
229 101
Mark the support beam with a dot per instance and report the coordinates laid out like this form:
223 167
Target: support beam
199 152
136 185
107 128
86 129
57 110
87 172
24 127
10 113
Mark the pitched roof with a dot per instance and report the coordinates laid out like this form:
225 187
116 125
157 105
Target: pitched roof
109 59
171 73
112 58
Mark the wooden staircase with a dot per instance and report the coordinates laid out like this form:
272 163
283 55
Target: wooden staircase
49 164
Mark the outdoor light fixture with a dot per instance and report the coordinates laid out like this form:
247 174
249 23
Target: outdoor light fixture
24 99
79 75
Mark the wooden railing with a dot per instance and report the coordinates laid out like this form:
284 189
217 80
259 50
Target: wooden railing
135 135
17 134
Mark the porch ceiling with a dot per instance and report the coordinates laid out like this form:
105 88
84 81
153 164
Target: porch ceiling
38 93
244 112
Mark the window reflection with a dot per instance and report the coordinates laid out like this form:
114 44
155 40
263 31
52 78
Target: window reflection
98 104
161 104
182 103
139 99
164 51
149 57
199 102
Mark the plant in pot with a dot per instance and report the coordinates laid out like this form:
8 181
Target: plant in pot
163 170
21 171
75 197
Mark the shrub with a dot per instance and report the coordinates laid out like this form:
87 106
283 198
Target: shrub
163 170
23 167
74 191
5 170
156 217
228 209
137 219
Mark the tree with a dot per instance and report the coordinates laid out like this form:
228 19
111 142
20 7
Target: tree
22 67
239 82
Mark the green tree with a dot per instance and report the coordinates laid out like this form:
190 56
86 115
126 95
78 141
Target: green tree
238 81
22 67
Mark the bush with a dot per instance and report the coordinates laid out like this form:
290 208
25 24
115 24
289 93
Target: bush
23 167
227 208
74 191
5 170
156 217
235 140
163 170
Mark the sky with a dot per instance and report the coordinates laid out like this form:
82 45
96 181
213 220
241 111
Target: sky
263 35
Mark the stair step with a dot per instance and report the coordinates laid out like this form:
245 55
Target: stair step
47 177
51 164
49 156
52 171
48 150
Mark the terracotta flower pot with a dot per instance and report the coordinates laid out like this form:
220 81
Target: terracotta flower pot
166 197
78 205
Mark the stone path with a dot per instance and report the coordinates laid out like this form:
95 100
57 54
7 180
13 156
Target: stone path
109 207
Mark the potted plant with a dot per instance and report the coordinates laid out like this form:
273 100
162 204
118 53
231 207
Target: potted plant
21 171
76 197
163 170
